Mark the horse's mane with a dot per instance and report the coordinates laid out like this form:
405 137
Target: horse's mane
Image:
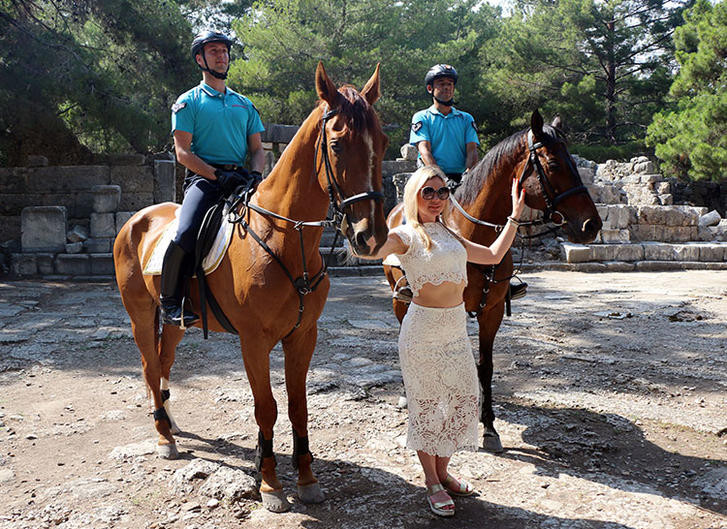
356 108
480 174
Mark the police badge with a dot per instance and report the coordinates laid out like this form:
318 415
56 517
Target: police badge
176 107
416 126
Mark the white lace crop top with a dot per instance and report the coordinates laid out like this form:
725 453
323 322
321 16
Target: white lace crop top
445 260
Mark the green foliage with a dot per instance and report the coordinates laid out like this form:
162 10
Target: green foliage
690 138
600 153
285 39
99 72
603 65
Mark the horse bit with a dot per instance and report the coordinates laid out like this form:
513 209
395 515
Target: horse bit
306 284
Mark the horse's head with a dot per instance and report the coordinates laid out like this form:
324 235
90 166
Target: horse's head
351 151
552 183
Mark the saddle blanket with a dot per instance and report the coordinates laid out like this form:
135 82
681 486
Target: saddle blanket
210 262
392 260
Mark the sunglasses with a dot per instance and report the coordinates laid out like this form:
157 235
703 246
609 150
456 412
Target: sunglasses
429 192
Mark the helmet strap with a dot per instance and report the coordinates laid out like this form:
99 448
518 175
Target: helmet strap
443 102
213 73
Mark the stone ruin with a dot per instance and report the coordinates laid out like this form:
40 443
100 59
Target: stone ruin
641 221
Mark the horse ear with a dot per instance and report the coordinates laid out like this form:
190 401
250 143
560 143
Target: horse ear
536 124
557 123
327 91
371 91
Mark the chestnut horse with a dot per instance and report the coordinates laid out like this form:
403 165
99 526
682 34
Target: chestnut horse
335 156
540 158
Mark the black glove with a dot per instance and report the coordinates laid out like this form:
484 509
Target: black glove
231 180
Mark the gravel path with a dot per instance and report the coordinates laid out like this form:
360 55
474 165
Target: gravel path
610 392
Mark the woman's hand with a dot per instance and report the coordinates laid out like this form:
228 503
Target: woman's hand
518 199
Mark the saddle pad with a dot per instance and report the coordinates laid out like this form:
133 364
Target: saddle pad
210 262
392 260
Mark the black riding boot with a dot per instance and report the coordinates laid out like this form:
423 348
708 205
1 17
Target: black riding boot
174 276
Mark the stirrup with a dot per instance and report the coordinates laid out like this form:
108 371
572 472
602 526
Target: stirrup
518 291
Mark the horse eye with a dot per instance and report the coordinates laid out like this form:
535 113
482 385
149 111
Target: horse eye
553 165
336 146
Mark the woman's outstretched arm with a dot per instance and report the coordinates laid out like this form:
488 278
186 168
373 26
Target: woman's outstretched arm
493 254
393 244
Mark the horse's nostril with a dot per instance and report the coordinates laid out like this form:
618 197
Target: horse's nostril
361 238
588 225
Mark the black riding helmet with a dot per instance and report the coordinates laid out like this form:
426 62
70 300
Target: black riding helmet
440 70
205 37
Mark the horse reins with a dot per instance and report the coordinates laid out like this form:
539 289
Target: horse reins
551 202
306 284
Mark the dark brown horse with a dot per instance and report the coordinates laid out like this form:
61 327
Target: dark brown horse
539 157
335 155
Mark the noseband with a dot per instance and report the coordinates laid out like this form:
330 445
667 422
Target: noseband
547 190
338 199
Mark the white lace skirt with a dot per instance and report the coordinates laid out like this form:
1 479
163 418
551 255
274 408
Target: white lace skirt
440 378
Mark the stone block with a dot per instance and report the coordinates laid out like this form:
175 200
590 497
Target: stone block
74 265
657 251
135 201
650 179
399 180
666 200
686 252
577 253
103 225
603 211
391 167
710 219
133 178
45 263
644 167
122 217
64 179
662 188
621 216
409 152
587 174
612 194
106 198
275 133
24 264
711 252
77 234
627 252
603 252
611 236
102 264
101 245
707 233
651 215
619 266
678 234
655 266
74 247
43 229
165 180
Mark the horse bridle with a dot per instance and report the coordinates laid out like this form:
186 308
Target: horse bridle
341 203
547 190
306 284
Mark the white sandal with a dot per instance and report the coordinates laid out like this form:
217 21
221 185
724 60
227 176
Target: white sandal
463 488
438 507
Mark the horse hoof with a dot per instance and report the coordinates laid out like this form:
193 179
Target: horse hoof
491 443
311 493
167 451
275 501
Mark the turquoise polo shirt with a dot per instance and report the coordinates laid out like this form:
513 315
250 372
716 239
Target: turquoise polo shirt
219 123
448 135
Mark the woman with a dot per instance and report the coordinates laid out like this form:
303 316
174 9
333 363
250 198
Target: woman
440 376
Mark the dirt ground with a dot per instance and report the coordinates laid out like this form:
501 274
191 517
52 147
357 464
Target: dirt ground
610 392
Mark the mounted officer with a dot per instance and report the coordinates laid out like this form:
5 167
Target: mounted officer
444 136
214 129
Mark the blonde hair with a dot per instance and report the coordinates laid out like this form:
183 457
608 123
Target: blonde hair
411 205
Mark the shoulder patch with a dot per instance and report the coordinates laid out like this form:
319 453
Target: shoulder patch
474 125
416 126
176 107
